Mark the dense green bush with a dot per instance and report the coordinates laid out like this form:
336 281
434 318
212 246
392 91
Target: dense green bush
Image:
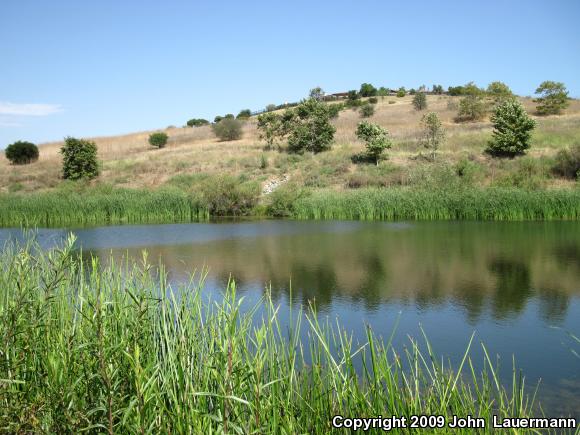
21 152
367 110
228 129
158 139
79 159
401 92
373 100
280 203
244 114
512 130
553 98
567 163
367 90
311 129
499 92
420 101
471 108
335 109
197 122
455 91
228 196
437 89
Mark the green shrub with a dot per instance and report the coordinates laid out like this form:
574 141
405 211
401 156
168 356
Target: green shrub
280 203
512 130
376 138
228 129
197 122
367 110
311 130
455 91
373 100
367 90
271 107
392 101
553 98
420 101
567 163
79 159
353 95
217 119
433 133
229 196
471 108
499 92
244 114
21 152
467 170
335 109
401 92
158 139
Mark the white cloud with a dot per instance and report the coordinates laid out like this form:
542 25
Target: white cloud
9 124
16 109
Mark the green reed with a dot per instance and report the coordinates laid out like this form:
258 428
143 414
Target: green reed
116 349
99 206
437 204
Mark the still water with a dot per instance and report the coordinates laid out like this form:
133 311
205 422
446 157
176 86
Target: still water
516 285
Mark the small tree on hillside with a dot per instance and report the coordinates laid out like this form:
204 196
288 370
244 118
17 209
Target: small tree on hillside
197 122
244 114
499 92
553 98
367 90
367 110
437 89
376 138
472 106
401 92
158 139
21 152
512 130
433 133
420 101
79 159
317 93
311 129
273 127
228 129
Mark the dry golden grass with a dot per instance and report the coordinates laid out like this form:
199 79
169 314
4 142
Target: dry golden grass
129 160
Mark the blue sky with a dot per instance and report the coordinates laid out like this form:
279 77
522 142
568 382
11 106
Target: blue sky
105 67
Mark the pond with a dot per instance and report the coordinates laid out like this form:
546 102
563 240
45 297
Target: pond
516 285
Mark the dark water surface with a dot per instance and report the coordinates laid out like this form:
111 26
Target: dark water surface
517 285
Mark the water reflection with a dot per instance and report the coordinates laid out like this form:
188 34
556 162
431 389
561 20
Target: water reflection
511 282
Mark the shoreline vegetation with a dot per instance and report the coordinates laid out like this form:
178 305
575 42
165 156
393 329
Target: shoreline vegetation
110 205
117 349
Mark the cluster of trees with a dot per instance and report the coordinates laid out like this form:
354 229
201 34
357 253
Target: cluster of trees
306 127
477 102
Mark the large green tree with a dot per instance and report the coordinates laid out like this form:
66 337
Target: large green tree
311 129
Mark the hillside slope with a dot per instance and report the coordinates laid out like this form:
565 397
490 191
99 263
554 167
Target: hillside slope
129 161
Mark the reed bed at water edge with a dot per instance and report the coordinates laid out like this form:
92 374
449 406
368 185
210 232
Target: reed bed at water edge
94 206
437 204
116 349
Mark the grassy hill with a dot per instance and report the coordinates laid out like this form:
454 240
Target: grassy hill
195 163
129 161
